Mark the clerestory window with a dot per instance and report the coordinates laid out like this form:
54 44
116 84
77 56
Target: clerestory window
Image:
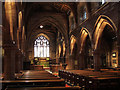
103 1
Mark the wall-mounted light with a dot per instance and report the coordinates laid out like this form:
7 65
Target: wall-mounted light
114 54
41 26
13 42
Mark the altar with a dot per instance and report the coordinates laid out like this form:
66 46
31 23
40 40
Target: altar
39 63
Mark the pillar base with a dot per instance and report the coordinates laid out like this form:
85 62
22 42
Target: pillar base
9 62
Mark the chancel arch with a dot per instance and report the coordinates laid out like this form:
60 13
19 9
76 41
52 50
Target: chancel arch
42 34
105 42
47 20
40 51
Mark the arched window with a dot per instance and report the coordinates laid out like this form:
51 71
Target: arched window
41 47
103 1
83 12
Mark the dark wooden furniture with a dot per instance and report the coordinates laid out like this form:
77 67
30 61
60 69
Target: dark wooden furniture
34 79
91 80
37 67
32 83
45 88
55 68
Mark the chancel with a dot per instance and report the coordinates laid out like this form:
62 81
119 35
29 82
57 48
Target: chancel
60 45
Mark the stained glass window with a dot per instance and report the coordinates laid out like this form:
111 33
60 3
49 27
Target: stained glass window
41 47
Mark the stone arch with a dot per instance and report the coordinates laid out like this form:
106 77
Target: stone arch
84 33
23 40
104 36
73 53
52 21
20 30
42 34
72 43
64 48
85 51
100 24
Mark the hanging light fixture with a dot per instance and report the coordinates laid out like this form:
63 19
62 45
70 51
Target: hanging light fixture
41 26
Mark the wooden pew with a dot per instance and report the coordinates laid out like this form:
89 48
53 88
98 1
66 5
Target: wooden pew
46 88
39 78
27 83
34 78
103 83
92 80
38 75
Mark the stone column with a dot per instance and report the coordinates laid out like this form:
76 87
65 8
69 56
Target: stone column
67 62
22 59
67 56
81 61
67 46
70 62
118 56
96 57
18 61
9 62
118 35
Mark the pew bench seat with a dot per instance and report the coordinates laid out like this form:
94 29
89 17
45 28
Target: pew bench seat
30 83
46 88
91 80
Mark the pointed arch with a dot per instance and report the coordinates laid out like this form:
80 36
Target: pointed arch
59 49
64 48
42 34
48 19
83 36
106 18
23 39
72 43
41 47
100 24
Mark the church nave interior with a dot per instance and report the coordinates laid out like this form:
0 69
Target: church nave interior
60 45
